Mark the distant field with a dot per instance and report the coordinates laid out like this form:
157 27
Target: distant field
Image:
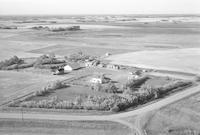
65 50
129 37
181 118
47 127
183 60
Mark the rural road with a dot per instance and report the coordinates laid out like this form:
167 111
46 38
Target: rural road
113 117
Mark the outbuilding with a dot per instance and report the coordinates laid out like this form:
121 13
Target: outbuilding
71 66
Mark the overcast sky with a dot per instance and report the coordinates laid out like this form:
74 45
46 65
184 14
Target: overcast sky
99 7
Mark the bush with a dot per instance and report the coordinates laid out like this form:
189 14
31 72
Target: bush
72 28
44 59
51 87
13 62
133 84
108 87
76 57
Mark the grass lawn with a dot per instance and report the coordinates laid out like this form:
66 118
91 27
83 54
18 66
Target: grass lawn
70 93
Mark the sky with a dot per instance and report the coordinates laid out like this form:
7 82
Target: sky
64 7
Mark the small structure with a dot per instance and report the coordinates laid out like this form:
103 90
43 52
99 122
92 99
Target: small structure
107 54
71 66
96 80
131 77
102 65
111 66
93 63
134 75
89 64
59 71
100 79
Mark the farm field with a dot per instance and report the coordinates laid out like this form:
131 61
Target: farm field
14 84
123 38
182 117
182 60
122 45
48 127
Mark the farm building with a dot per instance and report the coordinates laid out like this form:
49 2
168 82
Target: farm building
96 80
93 63
131 77
59 71
89 64
100 79
71 66
134 75
111 66
107 54
102 65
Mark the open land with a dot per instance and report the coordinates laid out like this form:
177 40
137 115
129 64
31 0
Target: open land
165 49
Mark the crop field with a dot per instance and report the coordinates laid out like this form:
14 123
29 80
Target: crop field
123 38
182 60
182 118
47 127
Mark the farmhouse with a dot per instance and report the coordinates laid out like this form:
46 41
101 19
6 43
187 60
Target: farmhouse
100 79
96 80
71 66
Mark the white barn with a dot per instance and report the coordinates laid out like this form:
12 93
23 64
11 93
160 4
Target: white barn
71 66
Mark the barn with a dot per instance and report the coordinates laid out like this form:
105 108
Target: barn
71 66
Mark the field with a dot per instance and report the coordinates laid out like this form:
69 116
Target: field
169 43
179 118
182 60
14 84
47 127
97 39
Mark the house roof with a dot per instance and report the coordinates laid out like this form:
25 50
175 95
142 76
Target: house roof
74 65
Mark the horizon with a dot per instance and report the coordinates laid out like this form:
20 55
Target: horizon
98 7
172 14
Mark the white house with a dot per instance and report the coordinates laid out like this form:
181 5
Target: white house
96 80
100 79
71 66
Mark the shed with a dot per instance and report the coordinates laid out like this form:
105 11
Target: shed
71 66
